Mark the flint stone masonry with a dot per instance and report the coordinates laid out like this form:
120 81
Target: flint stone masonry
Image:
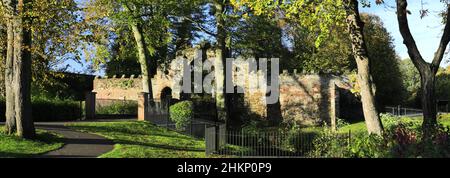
309 99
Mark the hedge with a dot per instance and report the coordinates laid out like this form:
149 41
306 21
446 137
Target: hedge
44 110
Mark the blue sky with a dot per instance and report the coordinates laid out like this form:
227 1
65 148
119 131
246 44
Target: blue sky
427 31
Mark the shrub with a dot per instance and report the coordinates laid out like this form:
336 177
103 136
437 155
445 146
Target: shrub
367 146
335 145
181 113
50 109
400 140
389 120
406 140
330 144
120 108
341 123
55 109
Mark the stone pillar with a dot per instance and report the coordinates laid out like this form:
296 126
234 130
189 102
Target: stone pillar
90 105
334 98
143 106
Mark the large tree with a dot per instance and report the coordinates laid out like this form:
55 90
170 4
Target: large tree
52 27
183 32
107 17
18 68
385 62
363 62
148 21
335 56
322 16
221 55
427 70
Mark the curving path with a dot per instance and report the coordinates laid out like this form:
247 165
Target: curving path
77 144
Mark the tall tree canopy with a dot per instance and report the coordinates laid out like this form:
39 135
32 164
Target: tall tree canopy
148 21
322 16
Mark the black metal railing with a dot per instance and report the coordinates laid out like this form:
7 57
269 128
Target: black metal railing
159 114
260 144
402 111
267 144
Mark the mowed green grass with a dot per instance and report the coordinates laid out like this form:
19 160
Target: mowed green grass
135 139
360 127
14 147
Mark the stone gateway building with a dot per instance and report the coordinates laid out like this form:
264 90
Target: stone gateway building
308 99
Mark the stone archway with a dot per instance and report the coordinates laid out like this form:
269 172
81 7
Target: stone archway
166 95
237 108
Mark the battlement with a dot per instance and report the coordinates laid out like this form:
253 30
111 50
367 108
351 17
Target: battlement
116 77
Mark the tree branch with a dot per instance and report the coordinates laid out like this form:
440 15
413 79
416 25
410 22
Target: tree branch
408 39
200 27
443 44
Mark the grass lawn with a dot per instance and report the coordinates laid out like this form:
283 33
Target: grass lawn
361 126
136 139
12 146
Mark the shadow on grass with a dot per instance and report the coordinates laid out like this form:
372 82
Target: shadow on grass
15 155
41 138
139 130
150 130
128 142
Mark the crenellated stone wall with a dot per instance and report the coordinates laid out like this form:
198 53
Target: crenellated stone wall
309 99
118 88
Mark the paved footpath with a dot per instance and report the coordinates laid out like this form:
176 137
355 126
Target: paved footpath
76 144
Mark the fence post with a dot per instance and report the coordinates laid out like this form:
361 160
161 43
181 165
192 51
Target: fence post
349 139
210 139
167 105
143 106
242 142
81 110
90 105
221 135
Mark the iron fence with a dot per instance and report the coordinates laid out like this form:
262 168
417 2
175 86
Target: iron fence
259 144
401 111
159 114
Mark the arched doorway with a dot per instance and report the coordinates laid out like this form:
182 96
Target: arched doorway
166 96
236 108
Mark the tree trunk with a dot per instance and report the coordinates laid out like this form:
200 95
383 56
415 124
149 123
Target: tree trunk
427 70
143 56
10 125
22 77
219 64
356 27
428 102
143 60
18 72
